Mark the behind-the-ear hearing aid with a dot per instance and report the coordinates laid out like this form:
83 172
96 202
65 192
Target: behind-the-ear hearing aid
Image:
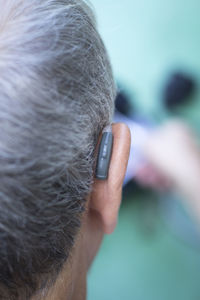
104 154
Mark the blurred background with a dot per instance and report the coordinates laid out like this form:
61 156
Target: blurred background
154 47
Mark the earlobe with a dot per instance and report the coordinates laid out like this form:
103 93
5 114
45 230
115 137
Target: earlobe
106 195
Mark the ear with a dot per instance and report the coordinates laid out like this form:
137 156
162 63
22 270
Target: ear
106 194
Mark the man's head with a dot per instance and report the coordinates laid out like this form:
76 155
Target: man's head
56 96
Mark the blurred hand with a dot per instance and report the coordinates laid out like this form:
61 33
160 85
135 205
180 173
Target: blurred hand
173 156
173 161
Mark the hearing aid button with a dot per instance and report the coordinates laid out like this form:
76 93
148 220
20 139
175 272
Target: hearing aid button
105 151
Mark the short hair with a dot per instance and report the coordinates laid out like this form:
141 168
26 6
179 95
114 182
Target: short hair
56 95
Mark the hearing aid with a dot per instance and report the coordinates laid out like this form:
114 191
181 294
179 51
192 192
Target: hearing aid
104 154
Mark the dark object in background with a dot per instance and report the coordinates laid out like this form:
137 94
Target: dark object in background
178 90
123 104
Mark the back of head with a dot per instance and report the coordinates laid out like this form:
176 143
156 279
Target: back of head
56 95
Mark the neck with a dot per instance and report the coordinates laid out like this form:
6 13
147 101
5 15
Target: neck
71 282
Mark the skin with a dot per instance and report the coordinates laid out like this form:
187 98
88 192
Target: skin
99 219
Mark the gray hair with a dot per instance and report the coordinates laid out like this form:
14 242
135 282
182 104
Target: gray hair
56 95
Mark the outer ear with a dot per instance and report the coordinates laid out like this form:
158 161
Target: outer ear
106 195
